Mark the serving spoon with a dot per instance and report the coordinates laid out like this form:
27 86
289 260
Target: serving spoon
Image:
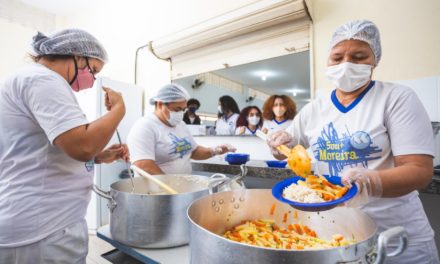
297 157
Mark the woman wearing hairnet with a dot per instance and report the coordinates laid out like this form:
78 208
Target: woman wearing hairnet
48 150
160 143
374 134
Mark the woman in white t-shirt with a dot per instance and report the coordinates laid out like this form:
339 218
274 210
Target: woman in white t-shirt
375 134
227 116
249 121
160 143
48 149
278 112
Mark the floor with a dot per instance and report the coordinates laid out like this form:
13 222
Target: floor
97 247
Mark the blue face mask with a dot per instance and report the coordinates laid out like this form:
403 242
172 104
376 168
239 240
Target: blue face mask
192 109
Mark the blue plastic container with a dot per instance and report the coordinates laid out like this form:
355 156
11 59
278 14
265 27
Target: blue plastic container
277 192
276 163
237 158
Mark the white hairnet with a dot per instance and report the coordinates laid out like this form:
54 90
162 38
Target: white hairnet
170 93
363 30
69 42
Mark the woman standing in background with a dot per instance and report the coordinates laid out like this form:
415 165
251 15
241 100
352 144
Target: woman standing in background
278 113
228 112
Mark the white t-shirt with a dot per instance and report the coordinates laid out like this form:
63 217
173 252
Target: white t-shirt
274 126
247 131
169 147
42 189
386 120
227 126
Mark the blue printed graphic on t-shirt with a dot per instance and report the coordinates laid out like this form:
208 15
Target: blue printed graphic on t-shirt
181 146
345 150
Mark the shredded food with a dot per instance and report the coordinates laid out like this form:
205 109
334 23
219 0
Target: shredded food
265 233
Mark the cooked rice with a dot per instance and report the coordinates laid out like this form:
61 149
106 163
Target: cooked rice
302 194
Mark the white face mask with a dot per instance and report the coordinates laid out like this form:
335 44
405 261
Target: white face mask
175 118
348 76
219 109
279 111
253 120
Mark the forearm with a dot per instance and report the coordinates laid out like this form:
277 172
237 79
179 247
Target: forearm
149 166
85 142
406 177
202 153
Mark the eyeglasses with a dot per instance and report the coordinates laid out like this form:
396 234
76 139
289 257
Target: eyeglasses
90 69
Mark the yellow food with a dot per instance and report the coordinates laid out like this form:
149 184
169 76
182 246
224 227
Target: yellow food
265 233
327 190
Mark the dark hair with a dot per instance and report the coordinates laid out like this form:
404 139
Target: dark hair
193 101
289 103
242 119
50 57
228 104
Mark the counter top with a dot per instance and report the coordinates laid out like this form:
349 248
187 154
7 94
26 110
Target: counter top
258 169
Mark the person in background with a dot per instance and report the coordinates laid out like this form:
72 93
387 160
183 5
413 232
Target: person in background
48 150
278 112
228 112
190 117
374 134
160 143
249 121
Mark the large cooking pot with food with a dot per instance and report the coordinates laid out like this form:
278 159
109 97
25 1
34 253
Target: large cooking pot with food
212 215
148 217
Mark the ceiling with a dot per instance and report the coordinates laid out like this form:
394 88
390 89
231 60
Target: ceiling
287 74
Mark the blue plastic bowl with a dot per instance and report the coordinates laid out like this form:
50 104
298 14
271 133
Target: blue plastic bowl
276 163
277 192
237 158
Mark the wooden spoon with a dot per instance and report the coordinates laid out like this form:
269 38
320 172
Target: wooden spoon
144 174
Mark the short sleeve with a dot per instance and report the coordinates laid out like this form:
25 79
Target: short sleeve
53 105
408 124
141 141
297 128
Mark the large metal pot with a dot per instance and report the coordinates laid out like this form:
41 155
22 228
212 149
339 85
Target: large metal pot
212 215
141 219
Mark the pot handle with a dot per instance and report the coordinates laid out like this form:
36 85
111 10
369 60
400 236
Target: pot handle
216 182
111 202
383 240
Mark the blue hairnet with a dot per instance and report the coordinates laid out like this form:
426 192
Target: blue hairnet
363 30
69 42
170 93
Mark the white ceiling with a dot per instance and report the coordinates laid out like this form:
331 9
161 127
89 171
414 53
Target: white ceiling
284 75
64 7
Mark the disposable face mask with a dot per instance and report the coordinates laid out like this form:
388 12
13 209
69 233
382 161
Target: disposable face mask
192 109
219 109
175 118
253 120
83 78
348 76
279 111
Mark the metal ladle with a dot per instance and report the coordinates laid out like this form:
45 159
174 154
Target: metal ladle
127 163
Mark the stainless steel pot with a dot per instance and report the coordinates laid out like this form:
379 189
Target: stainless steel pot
141 219
212 215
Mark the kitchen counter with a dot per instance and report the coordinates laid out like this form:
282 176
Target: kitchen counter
258 171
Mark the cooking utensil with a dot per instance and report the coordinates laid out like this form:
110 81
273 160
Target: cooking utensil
153 179
212 215
151 218
127 163
277 192
297 157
